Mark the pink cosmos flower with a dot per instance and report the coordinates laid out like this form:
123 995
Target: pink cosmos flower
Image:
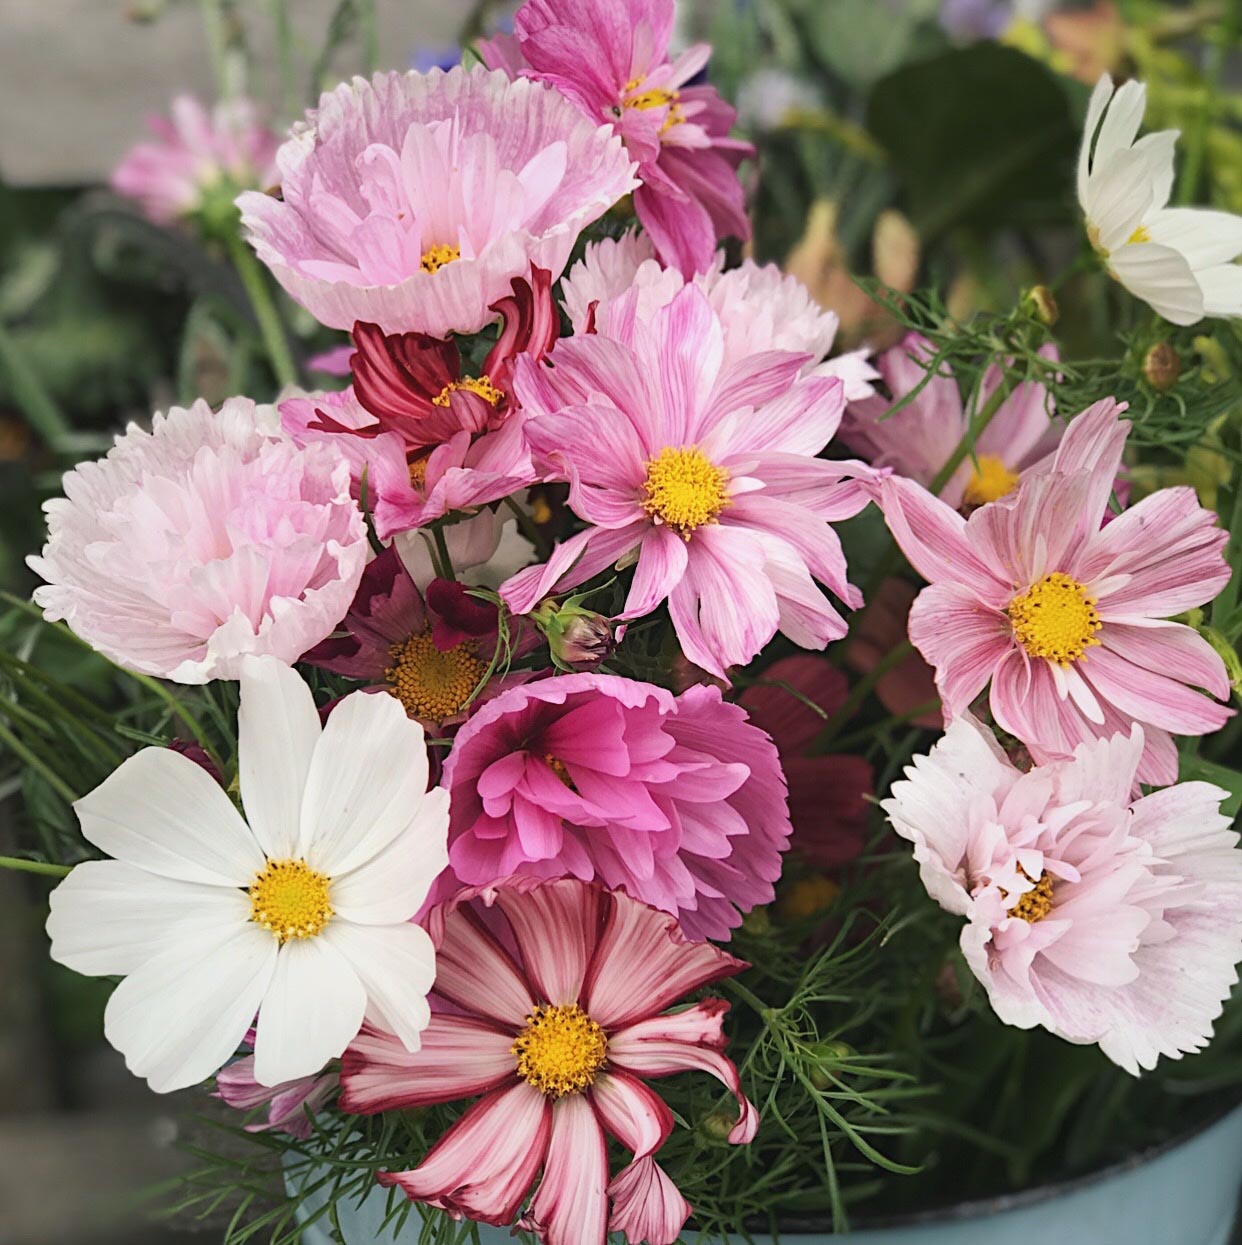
611 58
287 1103
1098 917
1064 618
206 539
431 653
680 800
919 439
412 201
760 307
551 1000
195 151
828 805
428 439
703 468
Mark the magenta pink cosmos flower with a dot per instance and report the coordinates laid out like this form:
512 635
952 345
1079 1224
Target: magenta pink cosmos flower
701 467
194 152
828 804
427 438
1064 618
206 539
760 307
1098 917
611 58
412 201
917 440
550 1005
432 653
680 800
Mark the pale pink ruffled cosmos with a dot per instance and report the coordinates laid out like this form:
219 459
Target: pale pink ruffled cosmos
680 800
917 440
208 538
551 1001
1100 918
290 1105
412 201
760 307
705 468
193 152
611 58
1064 618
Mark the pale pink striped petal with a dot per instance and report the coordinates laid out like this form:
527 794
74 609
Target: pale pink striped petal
570 1207
635 1115
662 563
1172 649
963 638
646 1205
484 1165
557 926
700 1025
1150 697
460 1057
476 973
572 562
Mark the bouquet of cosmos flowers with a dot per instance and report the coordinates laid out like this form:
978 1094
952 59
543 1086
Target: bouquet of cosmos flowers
609 684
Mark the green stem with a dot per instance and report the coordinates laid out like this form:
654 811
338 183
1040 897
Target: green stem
966 444
34 866
264 310
859 692
36 763
42 413
446 562
530 529
1196 145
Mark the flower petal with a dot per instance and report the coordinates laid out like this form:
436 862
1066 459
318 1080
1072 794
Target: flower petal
179 1017
458 1057
570 1207
634 1114
474 972
963 638
367 781
397 966
162 812
646 1205
556 926
1162 278
277 729
483 1166
311 1010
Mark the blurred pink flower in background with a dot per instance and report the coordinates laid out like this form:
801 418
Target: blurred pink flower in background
827 794
206 539
549 1005
919 439
680 800
195 151
1101 918
611 57
412 201
1065 619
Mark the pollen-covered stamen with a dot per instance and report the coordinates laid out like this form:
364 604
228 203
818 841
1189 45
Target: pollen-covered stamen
482 385
1036 903
290 899
989 480
437 256
684 489
561 1050
1141 234
654 97
432 683
560 769
1055 619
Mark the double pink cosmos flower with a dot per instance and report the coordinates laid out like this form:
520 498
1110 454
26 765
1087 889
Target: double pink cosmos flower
611 58
1065 617
549 1002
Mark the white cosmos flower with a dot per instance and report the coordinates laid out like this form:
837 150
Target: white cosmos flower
302 915
1177 260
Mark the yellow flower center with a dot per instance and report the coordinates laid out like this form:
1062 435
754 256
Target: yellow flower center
656 97
290 899
1037 903
439 255
558 767
989 481
561 1050
418 471
1054 618
684 489
482 385
431 683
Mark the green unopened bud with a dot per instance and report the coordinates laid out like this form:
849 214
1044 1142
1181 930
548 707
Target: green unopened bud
717 1126
757 921
216 215
1162 365
1040 304
1229 655
578 639
827 1056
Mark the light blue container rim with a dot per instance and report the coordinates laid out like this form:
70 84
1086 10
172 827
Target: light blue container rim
1182 1191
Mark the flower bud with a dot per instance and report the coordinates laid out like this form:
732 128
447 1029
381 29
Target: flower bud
717 1126
1162 365
1040 303
578 639
807 897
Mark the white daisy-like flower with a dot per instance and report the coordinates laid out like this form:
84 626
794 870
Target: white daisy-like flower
1177 260
300 913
